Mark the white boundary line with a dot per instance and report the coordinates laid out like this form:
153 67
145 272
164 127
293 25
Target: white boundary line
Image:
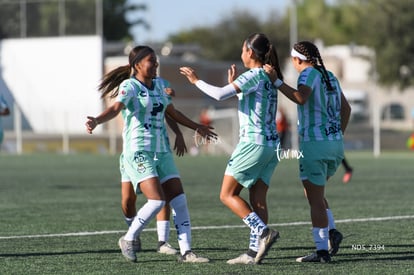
203 228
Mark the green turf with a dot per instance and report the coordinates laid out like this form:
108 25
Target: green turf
56 194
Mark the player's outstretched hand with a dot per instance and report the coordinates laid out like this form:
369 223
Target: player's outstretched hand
232 73
271 72
90 124
179 146
205 132
189 73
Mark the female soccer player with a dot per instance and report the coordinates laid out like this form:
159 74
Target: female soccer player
129 197
252 163
146 157
323 113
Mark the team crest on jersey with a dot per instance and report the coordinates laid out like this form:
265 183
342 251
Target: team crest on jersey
123 92
141 168
140 158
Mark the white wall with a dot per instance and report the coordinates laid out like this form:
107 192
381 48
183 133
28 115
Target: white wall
54 80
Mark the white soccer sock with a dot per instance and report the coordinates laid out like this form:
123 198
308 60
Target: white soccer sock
143 217
331 220
182 222
254 241
128 220
163 231
255 223
321 238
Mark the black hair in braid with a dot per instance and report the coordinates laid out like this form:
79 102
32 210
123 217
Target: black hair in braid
312 54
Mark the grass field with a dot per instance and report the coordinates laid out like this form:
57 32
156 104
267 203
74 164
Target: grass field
61 215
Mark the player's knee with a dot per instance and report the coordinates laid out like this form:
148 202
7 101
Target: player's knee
224 198
128 207
179 203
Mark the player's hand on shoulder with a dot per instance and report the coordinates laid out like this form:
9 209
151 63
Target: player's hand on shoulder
169 91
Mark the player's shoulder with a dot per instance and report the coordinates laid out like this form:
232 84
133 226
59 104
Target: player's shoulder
254 72
248 75
129 83
308 74
161 81
129 87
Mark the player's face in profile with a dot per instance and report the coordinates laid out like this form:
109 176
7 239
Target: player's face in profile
147 67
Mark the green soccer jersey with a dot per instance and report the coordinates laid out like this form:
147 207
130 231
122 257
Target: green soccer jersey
257 108
320 117
144 127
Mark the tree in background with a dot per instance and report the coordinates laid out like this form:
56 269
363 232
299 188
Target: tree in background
223 40
386 26
115 25
382 25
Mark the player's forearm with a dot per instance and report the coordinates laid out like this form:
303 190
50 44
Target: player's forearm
109 113
173 125
184 120
216 92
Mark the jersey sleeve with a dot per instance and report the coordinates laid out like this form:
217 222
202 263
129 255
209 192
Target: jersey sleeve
126 92
247 81
166 83
303 78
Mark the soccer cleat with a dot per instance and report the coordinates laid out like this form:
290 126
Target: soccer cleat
127 249
191 257
347 176
136 244
268 238
320 256
166 248
242 259
335 239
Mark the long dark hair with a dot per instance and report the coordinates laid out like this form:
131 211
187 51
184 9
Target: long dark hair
312 54
264 51
111 81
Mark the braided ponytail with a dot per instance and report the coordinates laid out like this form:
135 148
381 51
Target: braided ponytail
313 56
324 72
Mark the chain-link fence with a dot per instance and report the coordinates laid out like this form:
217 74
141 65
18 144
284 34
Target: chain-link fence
41 18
